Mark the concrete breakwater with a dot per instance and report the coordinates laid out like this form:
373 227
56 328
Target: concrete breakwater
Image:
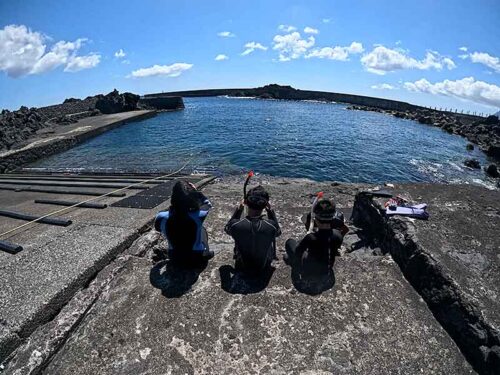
136 315
274 91
62 138
17 127
162 102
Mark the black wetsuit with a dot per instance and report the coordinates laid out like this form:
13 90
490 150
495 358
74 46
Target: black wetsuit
316 252
254 239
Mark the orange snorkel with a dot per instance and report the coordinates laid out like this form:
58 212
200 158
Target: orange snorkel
249 176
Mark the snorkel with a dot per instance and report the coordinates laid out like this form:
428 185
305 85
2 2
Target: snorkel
247 181
314 203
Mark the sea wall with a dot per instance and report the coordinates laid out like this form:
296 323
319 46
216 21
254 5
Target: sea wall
162 102
292 94
83 130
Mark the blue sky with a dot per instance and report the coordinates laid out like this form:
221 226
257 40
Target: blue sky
434 53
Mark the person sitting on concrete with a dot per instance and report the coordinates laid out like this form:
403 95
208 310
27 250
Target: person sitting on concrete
315 253
182 224
254 235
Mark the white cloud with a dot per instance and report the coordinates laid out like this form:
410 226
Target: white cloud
466 88
173 70
486 59
226 34
292 46
23 52
337 52
382 60
77 63
463 49
221 57
326 20
383 86
310 30
287 28
252 46
120 54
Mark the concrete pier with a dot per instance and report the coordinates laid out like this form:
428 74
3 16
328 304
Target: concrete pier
139 315
51 141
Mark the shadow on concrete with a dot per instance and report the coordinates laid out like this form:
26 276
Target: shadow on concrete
237 282
314 280
175 279
312 284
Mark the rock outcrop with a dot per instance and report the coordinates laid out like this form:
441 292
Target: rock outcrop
114 102
472 163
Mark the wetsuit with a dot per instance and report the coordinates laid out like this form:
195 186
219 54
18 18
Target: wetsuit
254 239
187 238
316 252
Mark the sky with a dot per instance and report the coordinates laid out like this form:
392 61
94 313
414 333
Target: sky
444 54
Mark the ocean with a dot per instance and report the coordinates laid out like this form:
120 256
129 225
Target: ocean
318 141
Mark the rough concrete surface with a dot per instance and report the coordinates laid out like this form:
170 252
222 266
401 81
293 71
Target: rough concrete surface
155 319
56 261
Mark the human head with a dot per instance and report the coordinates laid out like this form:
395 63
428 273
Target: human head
184 197
324 212
257 198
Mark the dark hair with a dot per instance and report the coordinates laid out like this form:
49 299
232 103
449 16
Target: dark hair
184 198
257 198
324 210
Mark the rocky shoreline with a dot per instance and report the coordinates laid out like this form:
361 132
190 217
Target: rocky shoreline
485 132
17 128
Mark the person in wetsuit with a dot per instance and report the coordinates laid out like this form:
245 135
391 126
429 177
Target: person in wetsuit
315 253
182 224
254 235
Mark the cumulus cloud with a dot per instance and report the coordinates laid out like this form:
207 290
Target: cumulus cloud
120 54
252 46
463 49
173 70
77 63
226 34
486 59
292 46
383 86
337 52
382 60
466 88
286 28
24 52
326 20
221 57
310 30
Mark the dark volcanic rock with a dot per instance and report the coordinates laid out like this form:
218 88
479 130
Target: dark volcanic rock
114 102
16 127
71 100
472 163
469 147
492 171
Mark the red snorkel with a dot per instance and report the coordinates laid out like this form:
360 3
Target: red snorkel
249 176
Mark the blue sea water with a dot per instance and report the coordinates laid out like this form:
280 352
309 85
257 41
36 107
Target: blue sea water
320 141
